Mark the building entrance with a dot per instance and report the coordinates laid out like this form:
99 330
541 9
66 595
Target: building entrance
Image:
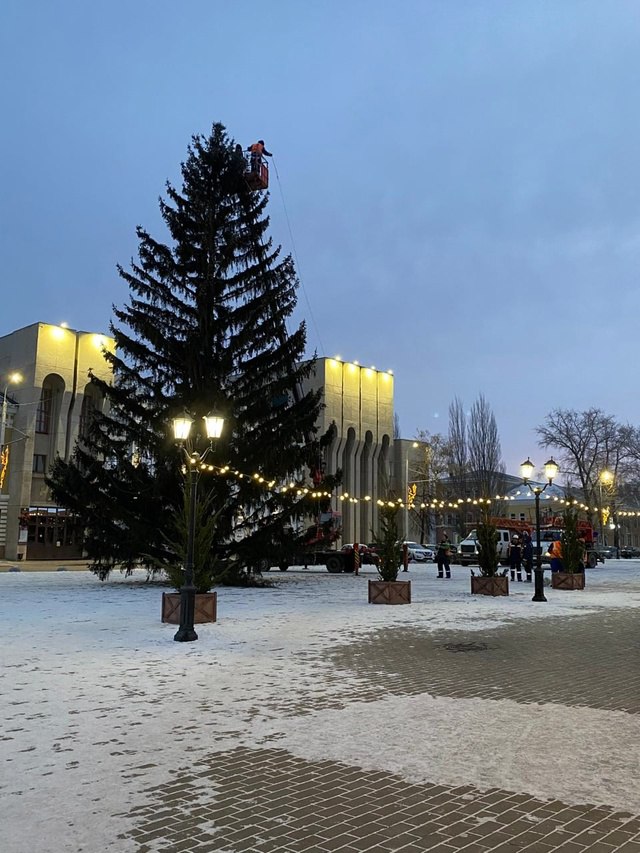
51 533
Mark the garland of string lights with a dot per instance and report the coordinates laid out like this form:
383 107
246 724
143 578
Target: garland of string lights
456 504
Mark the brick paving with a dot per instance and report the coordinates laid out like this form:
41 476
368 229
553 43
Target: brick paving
525 662
263 800
268 800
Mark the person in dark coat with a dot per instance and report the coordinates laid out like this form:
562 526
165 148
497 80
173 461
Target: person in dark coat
515 558
443 557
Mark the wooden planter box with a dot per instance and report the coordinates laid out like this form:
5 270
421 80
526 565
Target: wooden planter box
389 592
497 585
206 609
566 580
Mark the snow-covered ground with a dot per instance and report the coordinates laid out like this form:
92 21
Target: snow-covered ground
99 703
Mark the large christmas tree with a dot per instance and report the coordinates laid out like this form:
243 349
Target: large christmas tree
204 328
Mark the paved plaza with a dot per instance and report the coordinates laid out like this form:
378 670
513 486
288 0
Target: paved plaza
308 720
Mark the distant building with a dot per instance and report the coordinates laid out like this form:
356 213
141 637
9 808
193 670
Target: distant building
359 401
53 405
521 503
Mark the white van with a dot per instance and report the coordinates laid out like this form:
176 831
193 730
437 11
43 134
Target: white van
468 548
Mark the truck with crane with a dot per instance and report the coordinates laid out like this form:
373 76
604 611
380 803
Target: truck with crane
312 548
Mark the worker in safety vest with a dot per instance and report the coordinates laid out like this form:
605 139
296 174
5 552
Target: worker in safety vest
555 552
257 151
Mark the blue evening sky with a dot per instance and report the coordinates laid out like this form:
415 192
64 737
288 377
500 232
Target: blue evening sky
461 179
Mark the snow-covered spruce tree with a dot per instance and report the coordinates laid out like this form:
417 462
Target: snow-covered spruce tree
204 328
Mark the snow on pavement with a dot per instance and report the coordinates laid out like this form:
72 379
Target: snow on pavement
99 704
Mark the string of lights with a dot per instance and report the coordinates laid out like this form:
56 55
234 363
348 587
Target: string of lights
433 504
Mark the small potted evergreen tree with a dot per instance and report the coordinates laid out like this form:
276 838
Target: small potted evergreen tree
573 552
206 566
388 589
490 581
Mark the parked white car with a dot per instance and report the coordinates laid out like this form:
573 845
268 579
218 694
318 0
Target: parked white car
418 553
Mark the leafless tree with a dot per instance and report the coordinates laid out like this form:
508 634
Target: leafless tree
430 469
588 443
486 466
457 441
458 455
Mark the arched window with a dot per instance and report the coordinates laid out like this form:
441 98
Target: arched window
48 410
43 412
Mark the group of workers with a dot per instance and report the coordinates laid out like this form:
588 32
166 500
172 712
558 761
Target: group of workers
521 555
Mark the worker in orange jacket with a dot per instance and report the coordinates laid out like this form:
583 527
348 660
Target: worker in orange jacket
257 151
555 552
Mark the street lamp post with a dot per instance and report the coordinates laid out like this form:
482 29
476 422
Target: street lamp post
605 480
12 379
406 491
550 471
406 498
615 528
181 431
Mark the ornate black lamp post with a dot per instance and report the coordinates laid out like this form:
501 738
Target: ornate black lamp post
605 481
550 471
181 430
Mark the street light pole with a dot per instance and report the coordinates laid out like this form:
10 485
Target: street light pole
406 498
551 470
12 379
181 429
605 479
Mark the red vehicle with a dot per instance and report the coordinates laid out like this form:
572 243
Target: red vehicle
313 548
368 556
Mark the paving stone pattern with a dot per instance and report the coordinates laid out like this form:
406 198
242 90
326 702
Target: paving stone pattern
267 800
264 800
526 661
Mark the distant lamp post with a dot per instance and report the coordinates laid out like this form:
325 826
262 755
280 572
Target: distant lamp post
605 481
181 432
14 378
550 472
